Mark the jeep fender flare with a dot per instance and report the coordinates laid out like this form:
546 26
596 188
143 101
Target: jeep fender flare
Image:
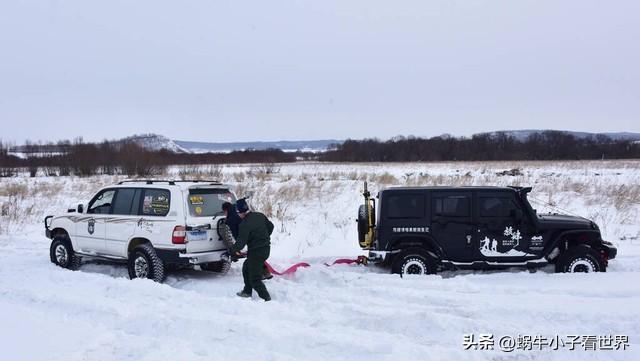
562 237
426 242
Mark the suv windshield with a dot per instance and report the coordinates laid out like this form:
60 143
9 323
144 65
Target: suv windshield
207 202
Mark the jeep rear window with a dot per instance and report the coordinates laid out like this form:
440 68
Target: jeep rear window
207 202
405 206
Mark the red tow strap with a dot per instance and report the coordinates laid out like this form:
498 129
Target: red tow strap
294 268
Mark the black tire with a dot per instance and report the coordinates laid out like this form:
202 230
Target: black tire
145 263
61 254
414 261
363 223
225 234
221 267
580 258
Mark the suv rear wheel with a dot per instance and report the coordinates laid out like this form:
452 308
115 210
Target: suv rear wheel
581 258
145 263
414 261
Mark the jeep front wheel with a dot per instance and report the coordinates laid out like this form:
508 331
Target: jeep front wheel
62 254
145 263
580 258
414 261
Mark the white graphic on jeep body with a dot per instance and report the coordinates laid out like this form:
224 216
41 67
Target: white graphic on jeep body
489 247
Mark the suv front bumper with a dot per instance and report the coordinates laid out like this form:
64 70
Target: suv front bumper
170 256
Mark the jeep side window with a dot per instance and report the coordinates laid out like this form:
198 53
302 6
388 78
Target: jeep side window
451 206
101 204
156 202
124 203
405 206
496 207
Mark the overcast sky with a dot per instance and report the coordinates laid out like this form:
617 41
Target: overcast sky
269 70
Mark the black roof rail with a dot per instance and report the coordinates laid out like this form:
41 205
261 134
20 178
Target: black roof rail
171 182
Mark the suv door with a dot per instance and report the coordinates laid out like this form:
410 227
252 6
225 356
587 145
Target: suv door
503 231
452 224
123 221
90 230
204 207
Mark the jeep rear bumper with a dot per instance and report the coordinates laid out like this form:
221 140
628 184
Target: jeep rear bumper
171 256
380 256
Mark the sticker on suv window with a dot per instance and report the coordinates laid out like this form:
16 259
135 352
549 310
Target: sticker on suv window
196 199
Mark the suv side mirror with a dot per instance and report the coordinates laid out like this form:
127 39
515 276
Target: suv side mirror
80 208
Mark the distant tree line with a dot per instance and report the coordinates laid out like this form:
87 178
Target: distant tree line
548 145
128 158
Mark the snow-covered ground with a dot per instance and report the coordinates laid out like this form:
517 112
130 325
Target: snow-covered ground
339 312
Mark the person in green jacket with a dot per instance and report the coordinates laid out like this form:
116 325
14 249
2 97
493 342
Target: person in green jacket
255 232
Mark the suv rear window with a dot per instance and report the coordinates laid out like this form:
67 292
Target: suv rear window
156 202
207 202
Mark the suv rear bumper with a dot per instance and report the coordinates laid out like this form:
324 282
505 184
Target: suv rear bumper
171 256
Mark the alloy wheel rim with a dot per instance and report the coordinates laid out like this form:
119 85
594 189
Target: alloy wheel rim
61 255
141 267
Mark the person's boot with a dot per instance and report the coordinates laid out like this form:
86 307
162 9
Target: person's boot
265 296
267 275
243 294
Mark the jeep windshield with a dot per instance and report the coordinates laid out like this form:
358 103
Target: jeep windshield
207 202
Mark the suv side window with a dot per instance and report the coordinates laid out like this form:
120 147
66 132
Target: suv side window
101 204
405 206
451 205
126 202
156 202
496 206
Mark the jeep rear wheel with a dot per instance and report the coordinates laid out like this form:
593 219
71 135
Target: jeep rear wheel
414 261
62 254
145 263
580 259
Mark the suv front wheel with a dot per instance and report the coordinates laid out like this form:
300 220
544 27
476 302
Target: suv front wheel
145 263
414 261
581 258
62 254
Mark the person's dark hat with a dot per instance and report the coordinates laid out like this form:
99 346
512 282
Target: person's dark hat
226 206
242 206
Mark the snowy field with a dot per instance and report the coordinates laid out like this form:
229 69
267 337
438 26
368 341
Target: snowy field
319 313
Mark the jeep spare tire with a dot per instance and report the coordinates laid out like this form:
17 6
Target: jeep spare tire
363 222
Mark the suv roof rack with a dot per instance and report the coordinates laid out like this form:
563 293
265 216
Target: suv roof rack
171 182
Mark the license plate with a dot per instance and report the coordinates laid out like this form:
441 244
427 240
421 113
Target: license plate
197 236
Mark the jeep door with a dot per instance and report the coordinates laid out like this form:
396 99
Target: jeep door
504 233
123 221
90 228
452 224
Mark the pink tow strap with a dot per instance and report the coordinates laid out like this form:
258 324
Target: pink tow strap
294 268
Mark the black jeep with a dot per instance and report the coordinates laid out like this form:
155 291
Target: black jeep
426 229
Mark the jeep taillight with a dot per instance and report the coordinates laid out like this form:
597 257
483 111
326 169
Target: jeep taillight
179 235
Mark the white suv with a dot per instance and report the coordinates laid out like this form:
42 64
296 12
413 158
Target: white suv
153 225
